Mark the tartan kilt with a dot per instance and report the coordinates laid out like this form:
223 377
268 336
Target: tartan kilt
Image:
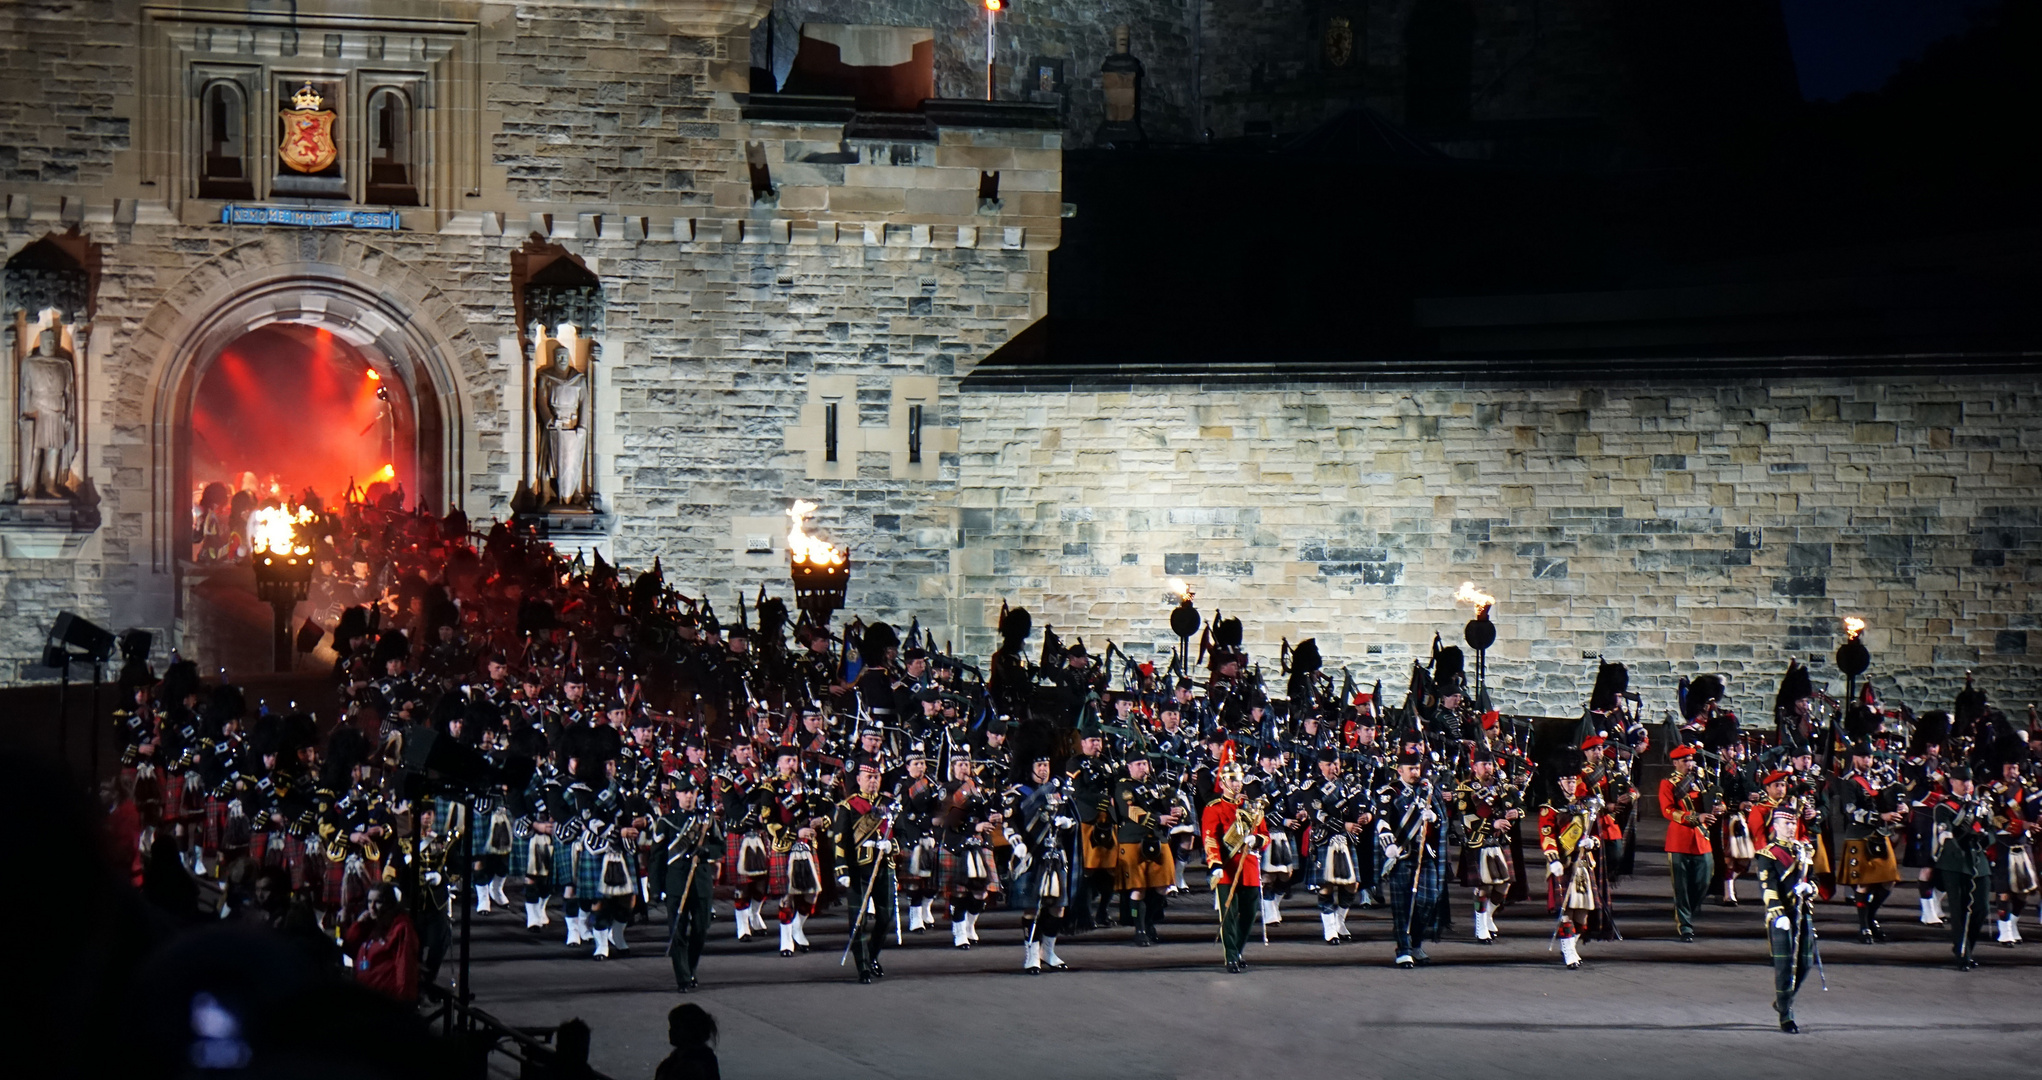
214 825
563 867
779 879
173 794
519 861
331 880
588 874
951 882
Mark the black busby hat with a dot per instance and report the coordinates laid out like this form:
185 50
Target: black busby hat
181 680
1611 680
1970 704
392 645
1931 728
1411 757
1699 693
1015 624
879 637
1794 686
1449 667
1327 753
1960 772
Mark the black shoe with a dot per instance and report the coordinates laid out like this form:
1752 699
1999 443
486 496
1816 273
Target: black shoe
1419 955
786 952
1233 967
1878 932
689 986
1332 941
1687 937
1966 963
1865 937
1141 940
864 978
1242 963
1790 1027
800 947
964 946
1036 970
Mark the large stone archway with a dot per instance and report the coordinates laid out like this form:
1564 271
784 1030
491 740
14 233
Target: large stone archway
363 295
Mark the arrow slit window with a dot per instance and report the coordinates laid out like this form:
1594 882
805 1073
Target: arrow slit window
391 175
223 161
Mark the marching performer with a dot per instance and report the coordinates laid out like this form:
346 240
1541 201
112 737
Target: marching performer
1234 833
1333 813
1567 835
1689 805
1869 867
1963 832
1487 807
1144 812
1041 810
861 833
1788 890
1410 832
692 836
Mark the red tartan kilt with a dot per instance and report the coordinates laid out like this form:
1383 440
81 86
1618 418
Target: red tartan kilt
331 880
214 824
258 849
776 878
950 879
173 794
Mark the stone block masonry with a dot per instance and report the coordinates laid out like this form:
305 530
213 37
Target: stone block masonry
1679 529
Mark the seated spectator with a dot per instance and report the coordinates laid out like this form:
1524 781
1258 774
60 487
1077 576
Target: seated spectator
384 947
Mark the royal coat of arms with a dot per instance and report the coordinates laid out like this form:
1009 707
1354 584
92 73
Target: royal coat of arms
1339 42
307 145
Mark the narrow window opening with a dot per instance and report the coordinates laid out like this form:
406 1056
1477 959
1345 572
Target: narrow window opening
914 434
829 431
223 167
390 161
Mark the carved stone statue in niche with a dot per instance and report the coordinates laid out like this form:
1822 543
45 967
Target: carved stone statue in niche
1120 77
48 418
561 399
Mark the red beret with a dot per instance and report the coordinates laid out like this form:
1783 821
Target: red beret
1776 776
1679 752
1592 742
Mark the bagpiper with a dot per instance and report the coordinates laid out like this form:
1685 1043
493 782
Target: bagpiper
1040 809
1334 814
1486 808
1410 833
1567 835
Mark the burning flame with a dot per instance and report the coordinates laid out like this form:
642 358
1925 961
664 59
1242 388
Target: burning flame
383 475
1468 594
375 376
803 548
1178 588
1853 626
273 529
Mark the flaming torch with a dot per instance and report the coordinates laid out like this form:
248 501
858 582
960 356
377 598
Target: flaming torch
283 569
1184 622
821 572
1480 632
1852 657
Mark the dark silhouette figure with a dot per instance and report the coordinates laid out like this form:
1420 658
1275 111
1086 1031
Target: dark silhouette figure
691 1031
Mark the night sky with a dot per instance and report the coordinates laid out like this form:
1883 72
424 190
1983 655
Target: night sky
1845 46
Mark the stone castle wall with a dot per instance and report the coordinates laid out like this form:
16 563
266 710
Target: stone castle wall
1680 529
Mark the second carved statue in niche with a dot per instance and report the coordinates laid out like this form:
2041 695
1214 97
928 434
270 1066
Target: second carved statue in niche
561 399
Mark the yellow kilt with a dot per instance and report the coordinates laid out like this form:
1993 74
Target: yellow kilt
1130 872
1861 868
1097 857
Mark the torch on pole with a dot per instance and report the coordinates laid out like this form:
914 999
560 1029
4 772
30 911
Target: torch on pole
283 570
821 572
992 15
1480 634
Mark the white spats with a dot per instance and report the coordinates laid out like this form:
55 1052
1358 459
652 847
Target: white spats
744 922
1329 925
1031 956
1570 952
786 939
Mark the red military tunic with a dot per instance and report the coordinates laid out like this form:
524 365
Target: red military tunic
1241 867
1685 833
